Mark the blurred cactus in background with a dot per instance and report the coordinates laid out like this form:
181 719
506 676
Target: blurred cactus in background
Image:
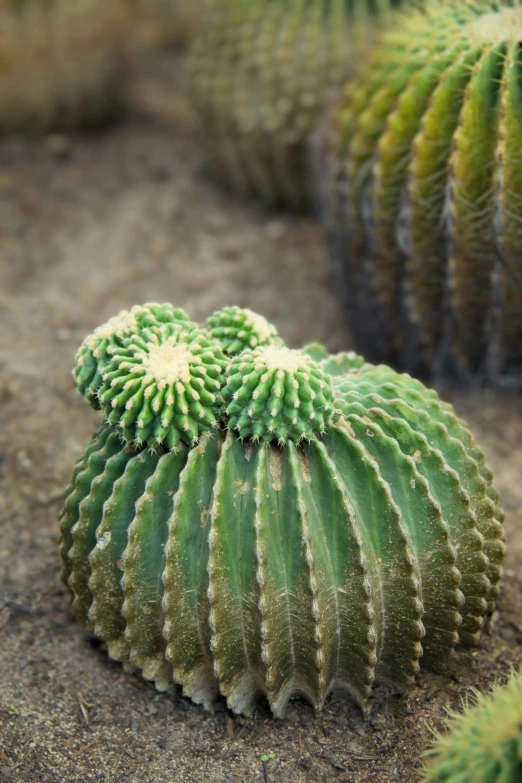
63 63
484 744
164 22
422 201
260 73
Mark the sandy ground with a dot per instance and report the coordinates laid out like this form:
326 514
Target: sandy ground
91 225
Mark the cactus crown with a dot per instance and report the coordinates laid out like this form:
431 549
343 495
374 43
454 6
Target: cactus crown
274 392
496 27
484 742
94 353
164 384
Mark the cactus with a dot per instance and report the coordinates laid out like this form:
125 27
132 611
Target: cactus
294 549
63 63
95 351
485 742
275 393
238 328
260 73
423 216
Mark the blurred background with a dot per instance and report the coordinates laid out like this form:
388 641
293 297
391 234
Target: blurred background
107 199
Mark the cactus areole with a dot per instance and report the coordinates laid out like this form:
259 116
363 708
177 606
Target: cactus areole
271 522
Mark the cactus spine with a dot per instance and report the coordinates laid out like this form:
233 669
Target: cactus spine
260 73
424 214
484 743
278 558
63 63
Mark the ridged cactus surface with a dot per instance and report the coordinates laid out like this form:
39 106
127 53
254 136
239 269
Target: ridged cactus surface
63 63
261 70
485 742
424 209
267 557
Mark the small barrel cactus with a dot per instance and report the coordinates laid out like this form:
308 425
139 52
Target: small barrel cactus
237 328
423 216
484 743
308 522
63 63
261 70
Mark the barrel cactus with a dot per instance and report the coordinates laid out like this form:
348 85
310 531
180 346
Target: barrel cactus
423 213
260 72
289 523
485 742
63 63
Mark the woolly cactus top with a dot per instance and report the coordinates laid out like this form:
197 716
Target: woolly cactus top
164 385
499 26
162 379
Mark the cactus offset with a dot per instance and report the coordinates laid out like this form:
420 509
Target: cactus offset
163 385
260 73
274 393
424 215
63 63
94 353
238 328
338 542
484 743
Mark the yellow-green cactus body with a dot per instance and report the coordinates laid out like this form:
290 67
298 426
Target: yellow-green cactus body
260 73
63 63
484 743
278 563
424 215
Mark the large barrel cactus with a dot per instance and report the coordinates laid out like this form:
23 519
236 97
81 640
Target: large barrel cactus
484 743
253 520
261 70
424 206
63 63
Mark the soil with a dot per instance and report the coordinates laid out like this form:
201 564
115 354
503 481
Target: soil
90 225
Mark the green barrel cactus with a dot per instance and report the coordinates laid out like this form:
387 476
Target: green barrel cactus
63 63
423 212
484 743
333 525
260 72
